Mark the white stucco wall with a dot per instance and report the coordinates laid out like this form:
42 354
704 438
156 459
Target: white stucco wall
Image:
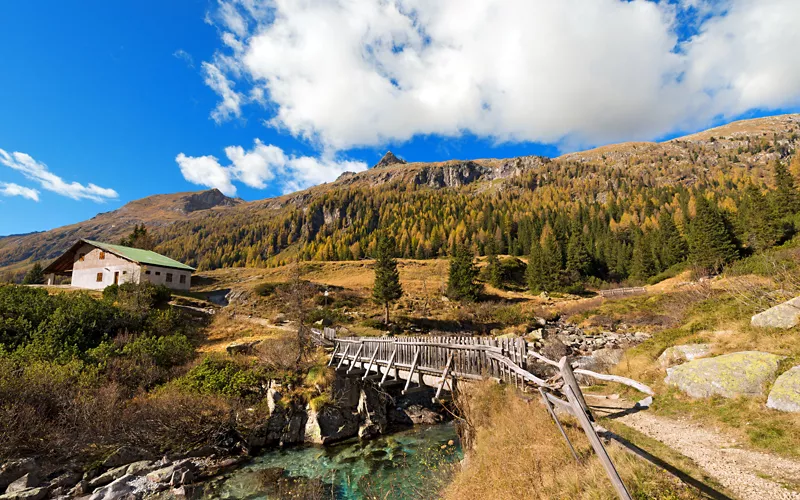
84 272
158 276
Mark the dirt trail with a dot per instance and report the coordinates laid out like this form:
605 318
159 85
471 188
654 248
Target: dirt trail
749 475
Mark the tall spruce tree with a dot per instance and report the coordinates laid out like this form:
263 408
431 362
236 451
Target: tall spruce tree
757 226
642 264
711 244
493 271
669 244
34 276
785 198
387 287
461 283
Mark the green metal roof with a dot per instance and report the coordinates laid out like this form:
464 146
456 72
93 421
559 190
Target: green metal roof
140 256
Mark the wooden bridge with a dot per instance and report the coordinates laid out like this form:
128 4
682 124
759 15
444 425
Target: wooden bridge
437 361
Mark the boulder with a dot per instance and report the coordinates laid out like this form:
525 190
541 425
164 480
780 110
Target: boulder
139 468
678 354
784 315
15 469
600 361
29 480
245 348
285 425
418 414
730 375
126 455
785 393
372 405
29 494
330 424
66 480
118 489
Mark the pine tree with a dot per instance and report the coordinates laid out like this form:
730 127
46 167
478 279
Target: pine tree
533 272
461 283
785 199
139 238
642 265
34 276
669 244
758 227
544 265
493 270
710 242
387 278
578 259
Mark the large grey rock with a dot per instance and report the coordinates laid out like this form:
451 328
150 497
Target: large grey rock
15 469
108 476
784 315
785 393
285 425
29 480
678 354
330 424
29 494
372 406
118 489
730 375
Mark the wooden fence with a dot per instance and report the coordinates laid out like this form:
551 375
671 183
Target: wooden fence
623 292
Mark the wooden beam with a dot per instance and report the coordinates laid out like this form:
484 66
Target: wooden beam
333 354
558 424
569 381
602 454
616 378
369 368
444 376
355 358
343 356
413 367
388 367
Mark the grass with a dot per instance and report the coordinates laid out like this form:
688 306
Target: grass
520 454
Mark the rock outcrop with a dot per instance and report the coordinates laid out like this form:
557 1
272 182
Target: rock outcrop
785 393
389 159
730 375
784 315
679 354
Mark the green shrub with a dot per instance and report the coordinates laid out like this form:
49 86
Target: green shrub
166 352
226 377
266 289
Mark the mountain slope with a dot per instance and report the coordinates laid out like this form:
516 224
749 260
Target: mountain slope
154 211
430 207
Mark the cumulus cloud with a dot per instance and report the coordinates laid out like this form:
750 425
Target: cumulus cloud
262 163
38 172
363 73
185 56
11 189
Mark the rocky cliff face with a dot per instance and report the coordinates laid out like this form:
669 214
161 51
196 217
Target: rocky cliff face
205 200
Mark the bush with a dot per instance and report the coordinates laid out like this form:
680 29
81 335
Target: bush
216 375
138 297
266 289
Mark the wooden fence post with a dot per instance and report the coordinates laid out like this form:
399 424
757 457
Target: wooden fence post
552 413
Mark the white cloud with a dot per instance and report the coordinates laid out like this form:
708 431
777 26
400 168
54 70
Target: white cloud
11 189
39 172
185 56
362 72
261 164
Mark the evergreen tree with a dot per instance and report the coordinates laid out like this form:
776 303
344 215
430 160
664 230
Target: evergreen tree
461 283
139 238
758 227
34 276
533 272
642 265
785 200
387 278
670 245
493 270
578 259
710 242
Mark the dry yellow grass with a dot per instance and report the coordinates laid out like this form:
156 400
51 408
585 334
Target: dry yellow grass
519 454
225 330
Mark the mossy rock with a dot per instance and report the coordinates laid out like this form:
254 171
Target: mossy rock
785 393
678 354
730 375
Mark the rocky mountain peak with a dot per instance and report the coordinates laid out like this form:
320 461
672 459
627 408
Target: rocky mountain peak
205 200
389 159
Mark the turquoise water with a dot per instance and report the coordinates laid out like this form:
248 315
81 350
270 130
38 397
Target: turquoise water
407 465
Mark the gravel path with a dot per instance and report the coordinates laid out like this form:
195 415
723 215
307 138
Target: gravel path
742 471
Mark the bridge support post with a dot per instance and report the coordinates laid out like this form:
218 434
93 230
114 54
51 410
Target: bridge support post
411 374
388 367
444 376
355 358
371 361
333 354
344 355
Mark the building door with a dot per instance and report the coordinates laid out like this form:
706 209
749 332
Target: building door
116 277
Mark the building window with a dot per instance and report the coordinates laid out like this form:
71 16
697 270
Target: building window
147 272
124 272
169 277
99 277
102 255
158 273
183 279
81 256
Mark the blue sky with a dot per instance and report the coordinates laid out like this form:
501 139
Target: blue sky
130 99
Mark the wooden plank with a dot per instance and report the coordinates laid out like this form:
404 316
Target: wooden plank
616 378
558 424
388 367
333 354
444 377
597 445
371 361
343 357
569 380
411 373
355 358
